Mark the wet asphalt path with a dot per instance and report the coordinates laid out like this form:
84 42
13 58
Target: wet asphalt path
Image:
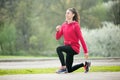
70 76
49 63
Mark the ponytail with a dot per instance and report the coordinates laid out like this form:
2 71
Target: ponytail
76 15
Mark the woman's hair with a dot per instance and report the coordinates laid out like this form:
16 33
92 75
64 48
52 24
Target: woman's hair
76 15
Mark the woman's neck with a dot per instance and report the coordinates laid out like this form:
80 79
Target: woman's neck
69 21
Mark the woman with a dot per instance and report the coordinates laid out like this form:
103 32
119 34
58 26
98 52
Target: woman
70 30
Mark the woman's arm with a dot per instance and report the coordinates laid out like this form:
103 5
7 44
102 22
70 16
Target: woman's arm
79 34
59 32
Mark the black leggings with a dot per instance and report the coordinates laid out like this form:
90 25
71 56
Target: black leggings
69 58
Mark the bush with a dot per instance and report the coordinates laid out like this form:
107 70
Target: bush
104 41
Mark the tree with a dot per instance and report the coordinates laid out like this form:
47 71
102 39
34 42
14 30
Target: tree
115 12
7 28
23 24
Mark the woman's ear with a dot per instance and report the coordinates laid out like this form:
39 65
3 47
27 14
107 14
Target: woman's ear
73 15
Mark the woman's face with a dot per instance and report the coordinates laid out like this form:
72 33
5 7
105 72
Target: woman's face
69 15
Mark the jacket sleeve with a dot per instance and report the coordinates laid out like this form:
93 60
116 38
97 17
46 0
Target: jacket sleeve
79 35
59 33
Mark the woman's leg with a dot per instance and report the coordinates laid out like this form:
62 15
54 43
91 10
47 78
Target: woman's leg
67 50
60 55
69 60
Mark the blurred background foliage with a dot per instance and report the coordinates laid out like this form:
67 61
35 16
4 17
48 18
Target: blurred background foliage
27 27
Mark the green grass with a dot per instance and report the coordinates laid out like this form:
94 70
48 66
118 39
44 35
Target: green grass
7 57
24 57
52 70
103 69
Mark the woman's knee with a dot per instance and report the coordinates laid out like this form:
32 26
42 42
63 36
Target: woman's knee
58 49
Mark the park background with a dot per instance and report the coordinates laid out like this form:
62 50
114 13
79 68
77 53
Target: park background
27 27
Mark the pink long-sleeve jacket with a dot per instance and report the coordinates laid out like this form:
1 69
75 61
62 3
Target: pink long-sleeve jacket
72 35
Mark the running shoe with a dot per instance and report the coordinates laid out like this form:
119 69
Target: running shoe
61 71
87 66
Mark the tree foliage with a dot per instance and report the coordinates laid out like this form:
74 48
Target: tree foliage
27 27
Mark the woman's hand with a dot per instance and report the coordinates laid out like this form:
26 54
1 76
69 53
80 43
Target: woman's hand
86 56
58 27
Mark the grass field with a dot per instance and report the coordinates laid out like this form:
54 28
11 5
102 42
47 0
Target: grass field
16 57
52 70
7 57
